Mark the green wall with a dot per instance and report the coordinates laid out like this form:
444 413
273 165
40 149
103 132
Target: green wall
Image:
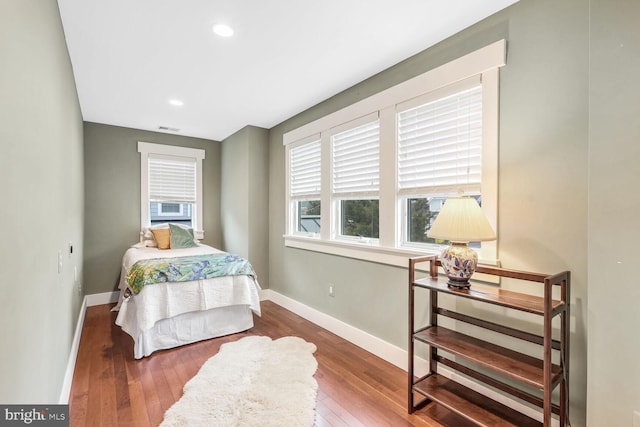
542 212
614 207
245 197
41 201
112 197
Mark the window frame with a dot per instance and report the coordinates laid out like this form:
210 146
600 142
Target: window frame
146 149
389 248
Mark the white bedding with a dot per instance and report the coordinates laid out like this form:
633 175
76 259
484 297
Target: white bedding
140 313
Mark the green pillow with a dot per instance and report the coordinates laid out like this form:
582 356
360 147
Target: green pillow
181 237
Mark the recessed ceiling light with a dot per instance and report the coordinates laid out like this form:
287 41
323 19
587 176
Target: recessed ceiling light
223 30
176 102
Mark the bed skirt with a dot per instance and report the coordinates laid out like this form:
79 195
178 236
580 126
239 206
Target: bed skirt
191 327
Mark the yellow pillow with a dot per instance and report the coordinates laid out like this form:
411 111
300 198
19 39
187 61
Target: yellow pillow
162 237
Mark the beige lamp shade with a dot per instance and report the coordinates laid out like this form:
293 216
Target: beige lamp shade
461 220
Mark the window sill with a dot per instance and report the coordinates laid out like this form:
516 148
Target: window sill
373 253
362 251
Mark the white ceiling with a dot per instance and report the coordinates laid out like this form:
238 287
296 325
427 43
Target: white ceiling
130 57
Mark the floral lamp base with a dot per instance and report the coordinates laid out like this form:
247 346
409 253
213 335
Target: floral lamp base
459 262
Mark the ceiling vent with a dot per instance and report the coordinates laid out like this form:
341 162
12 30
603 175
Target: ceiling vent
168 129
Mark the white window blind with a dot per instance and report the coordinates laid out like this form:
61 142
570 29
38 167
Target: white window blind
305 172
440 145
356 161
172 179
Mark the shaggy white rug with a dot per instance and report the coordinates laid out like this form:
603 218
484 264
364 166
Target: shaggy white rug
254 381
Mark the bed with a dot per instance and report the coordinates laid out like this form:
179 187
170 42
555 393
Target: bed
172 297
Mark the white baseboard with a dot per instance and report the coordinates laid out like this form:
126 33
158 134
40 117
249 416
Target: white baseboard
73 355
389 352
103 298
264 294
88 301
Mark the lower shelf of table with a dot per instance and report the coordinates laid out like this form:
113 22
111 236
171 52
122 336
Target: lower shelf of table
470 404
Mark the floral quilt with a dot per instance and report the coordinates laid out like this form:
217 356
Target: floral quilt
184 269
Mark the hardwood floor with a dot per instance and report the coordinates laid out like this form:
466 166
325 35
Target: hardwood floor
356 388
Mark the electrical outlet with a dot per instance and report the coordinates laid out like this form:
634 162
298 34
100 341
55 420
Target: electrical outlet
332 290
636 418
59 262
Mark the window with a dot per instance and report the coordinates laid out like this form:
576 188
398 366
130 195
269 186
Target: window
304 186
439 154
420 215
171 209
388 162
174 212
356 180
171 185
308 216
360 218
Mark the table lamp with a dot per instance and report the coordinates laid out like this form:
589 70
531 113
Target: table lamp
460 221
